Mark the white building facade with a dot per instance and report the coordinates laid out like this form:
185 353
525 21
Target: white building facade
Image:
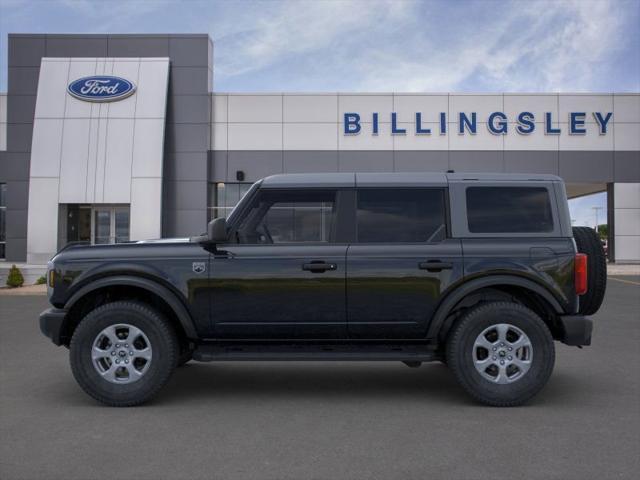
172 153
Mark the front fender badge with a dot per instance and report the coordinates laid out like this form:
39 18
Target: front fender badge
199 267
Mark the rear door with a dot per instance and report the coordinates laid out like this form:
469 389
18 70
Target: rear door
401 262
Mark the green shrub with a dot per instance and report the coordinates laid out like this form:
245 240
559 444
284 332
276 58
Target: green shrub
15 278
41 280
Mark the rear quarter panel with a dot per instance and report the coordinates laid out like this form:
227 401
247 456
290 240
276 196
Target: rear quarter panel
546 261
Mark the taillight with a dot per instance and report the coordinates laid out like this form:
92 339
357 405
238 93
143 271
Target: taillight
581 273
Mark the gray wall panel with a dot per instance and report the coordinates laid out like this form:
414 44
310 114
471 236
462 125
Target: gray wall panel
22 108
138 46
19 137
16 223
15 167
23 80
188 109
476 161
186 195
421 161
25 50
254 163
218 166
187 137
16 248
185 223
189 51
76 46
305 161
184 166
188 80
531 161
626 166
586 166
365 161
17 194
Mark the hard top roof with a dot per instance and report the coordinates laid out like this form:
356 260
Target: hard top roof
398 179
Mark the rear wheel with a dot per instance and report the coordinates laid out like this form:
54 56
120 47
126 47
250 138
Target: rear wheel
501 353
588 242
122 353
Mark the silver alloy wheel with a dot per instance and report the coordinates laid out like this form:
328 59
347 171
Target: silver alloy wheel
502 353
121 353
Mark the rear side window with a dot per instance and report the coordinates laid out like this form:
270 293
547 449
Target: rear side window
509 210
403 216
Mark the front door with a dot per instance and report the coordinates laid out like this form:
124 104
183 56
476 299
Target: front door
283 274
401 263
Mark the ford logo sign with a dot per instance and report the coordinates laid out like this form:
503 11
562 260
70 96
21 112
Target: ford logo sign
101 88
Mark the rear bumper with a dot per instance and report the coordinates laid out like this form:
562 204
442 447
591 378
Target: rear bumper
51 324
576 330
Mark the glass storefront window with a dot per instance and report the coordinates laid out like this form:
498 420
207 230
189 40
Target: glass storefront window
224 196
3 216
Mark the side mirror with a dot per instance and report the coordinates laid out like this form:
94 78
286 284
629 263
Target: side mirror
217 230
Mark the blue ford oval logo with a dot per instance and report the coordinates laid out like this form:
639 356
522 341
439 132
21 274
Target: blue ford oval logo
101 88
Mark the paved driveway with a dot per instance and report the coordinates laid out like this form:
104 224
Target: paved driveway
323 420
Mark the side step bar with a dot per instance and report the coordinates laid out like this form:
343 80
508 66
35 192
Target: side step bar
314 352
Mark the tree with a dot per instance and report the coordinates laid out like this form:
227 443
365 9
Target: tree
603 231
15 278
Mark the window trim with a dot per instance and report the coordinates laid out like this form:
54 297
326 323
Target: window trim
445 203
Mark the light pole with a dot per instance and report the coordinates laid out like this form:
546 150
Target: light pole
595 209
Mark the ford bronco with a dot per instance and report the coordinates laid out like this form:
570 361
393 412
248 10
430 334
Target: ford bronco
479 271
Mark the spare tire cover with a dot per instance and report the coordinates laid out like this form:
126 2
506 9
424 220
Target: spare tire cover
588 242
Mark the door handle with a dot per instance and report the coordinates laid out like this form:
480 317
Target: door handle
318 267
435 266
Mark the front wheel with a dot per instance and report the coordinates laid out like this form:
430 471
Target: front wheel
122 353
501 353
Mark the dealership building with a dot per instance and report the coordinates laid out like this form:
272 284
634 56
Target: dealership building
113 138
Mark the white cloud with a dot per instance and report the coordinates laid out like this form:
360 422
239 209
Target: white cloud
533 46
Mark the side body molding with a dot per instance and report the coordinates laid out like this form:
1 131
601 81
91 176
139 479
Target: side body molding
451 300
161 291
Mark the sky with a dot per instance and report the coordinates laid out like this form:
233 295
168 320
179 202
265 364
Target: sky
375 45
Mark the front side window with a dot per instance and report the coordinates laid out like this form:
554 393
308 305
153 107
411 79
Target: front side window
289 216
509 210
388 215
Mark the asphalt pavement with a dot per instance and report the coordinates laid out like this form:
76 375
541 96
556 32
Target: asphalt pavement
323 420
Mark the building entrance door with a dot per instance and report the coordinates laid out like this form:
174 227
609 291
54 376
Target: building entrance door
97 224
110 225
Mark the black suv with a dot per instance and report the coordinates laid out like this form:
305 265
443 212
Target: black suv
481 272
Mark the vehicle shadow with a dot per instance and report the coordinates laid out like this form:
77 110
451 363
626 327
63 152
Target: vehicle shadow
312 380
308 380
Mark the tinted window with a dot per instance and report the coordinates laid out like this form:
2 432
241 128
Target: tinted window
289 217
509 210
400 215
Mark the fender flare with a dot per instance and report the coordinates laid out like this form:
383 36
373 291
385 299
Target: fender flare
174 302
467 288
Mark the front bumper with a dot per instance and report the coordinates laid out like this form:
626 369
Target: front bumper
52 323
576 330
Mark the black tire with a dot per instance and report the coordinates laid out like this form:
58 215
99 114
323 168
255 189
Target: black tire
164 350
460 351
588 242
